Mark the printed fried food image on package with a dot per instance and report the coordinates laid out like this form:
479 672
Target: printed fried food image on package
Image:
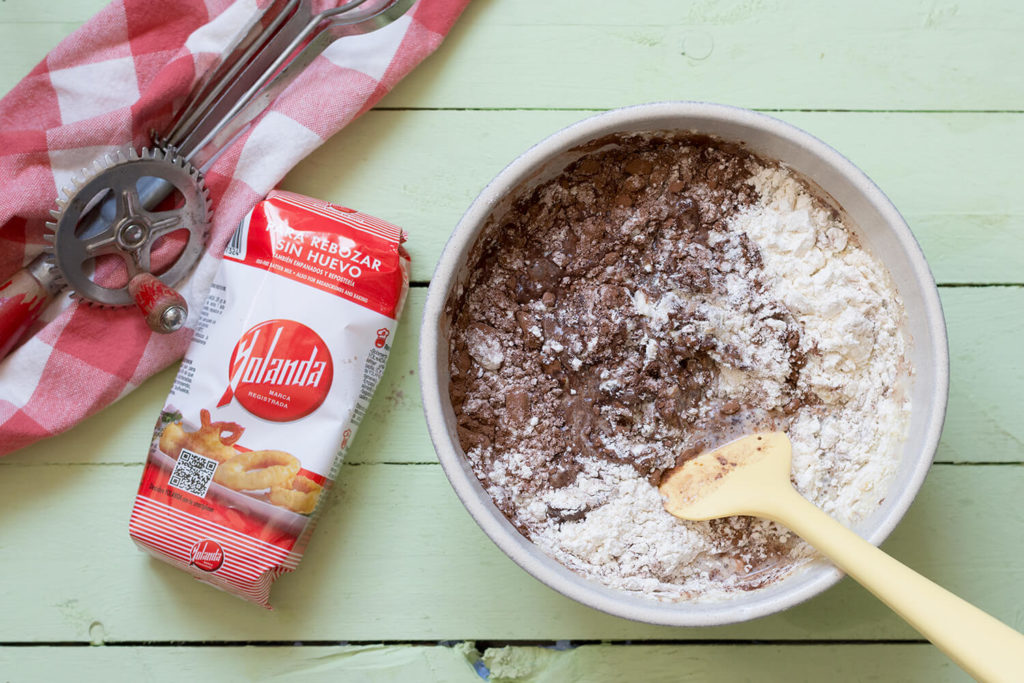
291 343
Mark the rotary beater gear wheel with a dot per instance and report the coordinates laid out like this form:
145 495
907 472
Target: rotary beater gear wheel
106 214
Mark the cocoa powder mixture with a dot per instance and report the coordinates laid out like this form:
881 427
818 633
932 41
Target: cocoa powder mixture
613 325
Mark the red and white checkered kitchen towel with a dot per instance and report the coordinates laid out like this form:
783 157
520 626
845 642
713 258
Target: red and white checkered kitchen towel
106 86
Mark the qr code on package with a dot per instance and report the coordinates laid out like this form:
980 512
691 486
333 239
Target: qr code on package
193 473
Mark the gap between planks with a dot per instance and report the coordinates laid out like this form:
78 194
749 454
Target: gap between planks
480 644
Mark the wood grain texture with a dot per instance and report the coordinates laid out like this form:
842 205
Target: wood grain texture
936 118
871 55
397 558
982 423
983 420
692 664
577 53
351 664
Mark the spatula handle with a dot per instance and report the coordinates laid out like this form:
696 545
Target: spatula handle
983 646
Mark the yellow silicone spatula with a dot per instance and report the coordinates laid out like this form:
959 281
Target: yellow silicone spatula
750 476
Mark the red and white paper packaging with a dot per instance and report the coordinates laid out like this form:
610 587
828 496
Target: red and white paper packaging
292 341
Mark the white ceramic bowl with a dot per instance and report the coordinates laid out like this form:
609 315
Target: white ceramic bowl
881 229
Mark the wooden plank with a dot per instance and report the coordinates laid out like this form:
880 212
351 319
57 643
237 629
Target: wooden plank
397 558
353 664
874 55
30 29
422 170
72 12
441 664
696 663
982 423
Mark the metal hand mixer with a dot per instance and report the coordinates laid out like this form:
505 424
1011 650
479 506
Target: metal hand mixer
119 208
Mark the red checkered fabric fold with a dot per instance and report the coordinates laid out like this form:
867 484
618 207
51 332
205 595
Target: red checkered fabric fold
105 87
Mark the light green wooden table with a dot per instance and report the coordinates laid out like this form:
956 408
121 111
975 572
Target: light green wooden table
399 584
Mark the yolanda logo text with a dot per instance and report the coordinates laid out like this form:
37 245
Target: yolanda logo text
279 370
254 369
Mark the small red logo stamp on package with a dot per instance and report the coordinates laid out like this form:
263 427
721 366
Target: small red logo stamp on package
207 555
382 337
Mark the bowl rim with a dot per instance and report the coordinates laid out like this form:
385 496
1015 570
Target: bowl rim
534 561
